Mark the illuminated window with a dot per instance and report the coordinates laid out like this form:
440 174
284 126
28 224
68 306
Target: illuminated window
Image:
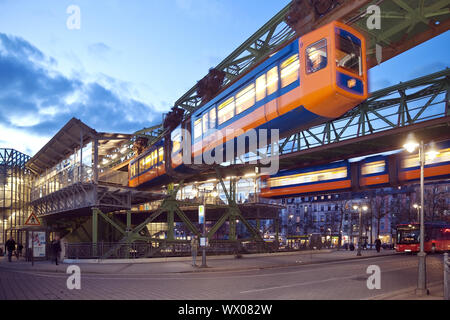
133 170
154 157
261 88
245 98
226 110
308 177
197 128
316 56
205 122
413 160
161 154
272 80
176 140
373 167
212 118
142 165
289 70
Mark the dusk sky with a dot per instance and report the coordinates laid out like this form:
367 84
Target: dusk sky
131 60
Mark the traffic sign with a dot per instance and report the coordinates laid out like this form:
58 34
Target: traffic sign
201 214
32 220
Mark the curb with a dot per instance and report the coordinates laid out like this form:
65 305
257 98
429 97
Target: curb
214 269
408 292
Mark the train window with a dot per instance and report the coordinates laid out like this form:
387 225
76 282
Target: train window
245 98
176 140
316 56
154 157
261 87
226 110
289 70
212 118
161 154
272 80
198 128
348 54
142 165
309 177
133 170
205 123
373 167
148 161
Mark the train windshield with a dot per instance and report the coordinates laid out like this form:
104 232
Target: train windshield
348 52
408 236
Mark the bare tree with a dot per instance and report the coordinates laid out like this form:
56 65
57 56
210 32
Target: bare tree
377 206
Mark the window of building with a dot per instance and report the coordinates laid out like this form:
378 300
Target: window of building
197 128
316 56
272 80
289 70
245 98
226 110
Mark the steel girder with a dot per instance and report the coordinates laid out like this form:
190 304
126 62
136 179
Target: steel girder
398 106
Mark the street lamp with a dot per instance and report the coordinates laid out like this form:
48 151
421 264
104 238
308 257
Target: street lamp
360 209
411 145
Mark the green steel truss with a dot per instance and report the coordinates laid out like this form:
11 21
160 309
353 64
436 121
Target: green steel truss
397 106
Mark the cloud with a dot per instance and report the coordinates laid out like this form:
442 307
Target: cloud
35 101
99 50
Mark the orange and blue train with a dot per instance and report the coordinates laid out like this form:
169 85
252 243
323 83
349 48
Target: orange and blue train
312 79
371 172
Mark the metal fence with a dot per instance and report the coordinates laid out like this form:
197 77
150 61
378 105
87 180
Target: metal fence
157 249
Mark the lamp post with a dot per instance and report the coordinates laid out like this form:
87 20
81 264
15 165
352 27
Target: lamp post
411 145
360 209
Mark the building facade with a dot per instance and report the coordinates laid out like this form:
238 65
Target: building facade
14 194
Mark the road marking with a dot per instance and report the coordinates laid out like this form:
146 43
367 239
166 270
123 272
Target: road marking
318 281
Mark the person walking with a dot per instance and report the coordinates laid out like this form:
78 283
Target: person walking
378 245
10 246
194 249
56 248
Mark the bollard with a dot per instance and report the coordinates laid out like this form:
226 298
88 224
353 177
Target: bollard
446 272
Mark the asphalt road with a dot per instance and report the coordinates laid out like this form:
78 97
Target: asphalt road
334 280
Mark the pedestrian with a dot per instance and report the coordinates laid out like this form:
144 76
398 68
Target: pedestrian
56 248
10 246
352 246
194 248
378 244
19 250
365 244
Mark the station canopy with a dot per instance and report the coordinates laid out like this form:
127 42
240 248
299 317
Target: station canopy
67 140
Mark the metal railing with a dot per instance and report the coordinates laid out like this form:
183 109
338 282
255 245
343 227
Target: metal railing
446 277
160 249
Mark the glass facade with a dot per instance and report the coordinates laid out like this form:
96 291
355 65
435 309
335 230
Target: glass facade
76 168
14 195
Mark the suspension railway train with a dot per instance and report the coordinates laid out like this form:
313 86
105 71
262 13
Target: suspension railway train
312 79
376 171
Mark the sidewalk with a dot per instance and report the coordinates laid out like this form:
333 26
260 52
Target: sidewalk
436 292
183 264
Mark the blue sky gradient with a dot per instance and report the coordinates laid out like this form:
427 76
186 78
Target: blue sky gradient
131 60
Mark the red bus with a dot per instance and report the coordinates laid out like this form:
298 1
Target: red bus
437 237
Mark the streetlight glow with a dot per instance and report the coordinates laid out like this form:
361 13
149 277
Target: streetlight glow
411 143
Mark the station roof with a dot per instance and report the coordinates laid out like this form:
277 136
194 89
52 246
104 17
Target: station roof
68 139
